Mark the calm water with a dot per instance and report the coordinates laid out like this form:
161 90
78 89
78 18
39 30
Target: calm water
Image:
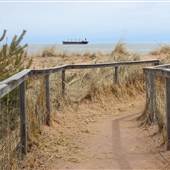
139 48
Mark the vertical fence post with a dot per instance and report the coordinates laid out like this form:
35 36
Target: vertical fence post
116 78
47 98
23 118
150 95
156 63
146 77
63 81
168 112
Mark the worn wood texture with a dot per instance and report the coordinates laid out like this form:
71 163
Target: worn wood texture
13 82
116 76
147 92
63 81
168 112
164 72
91 66
156 63
47 70
161 66
152 96
47 100
23 118
150 108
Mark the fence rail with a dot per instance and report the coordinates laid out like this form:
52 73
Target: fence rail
18 80
9 84
91 66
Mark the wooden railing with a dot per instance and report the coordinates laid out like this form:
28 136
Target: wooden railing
19 79
150 75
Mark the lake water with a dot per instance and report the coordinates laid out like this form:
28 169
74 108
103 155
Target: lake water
138 47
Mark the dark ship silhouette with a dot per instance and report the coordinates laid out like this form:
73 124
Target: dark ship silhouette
75 42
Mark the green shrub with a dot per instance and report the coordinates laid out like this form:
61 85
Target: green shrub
13 57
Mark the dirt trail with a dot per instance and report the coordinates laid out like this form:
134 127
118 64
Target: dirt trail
113 141
117 142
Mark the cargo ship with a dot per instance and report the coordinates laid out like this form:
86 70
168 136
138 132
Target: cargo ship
75 42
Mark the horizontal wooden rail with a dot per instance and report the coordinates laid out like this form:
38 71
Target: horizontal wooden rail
115 64
47 70
162 66
19 76
164 72
9 84
91 66
12 82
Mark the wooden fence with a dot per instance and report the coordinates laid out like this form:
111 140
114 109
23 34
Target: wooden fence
19 79
150 75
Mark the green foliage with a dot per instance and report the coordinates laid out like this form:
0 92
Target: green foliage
13 57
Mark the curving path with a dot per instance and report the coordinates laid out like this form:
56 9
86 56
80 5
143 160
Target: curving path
118 143
114 141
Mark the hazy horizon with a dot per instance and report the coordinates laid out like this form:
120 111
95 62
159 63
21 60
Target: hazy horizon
51 23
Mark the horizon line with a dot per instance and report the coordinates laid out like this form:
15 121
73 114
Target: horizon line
85 1
109 42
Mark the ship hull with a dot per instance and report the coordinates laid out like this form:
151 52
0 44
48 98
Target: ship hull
74 42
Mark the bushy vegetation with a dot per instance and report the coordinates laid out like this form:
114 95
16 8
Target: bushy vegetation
163 50
121 53
13 57
12 60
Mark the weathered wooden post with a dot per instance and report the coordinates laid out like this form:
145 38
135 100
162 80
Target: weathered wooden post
47 98
23 119
156 63
152 78
116 78
146 77
168 112
150 95
63 81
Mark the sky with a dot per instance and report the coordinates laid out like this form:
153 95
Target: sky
99 22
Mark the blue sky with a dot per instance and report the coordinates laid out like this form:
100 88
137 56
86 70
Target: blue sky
98 22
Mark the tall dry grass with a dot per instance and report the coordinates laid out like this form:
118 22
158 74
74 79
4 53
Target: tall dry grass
83 87
162 50
90 84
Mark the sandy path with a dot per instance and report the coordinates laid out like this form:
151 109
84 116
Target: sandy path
116 143
112 140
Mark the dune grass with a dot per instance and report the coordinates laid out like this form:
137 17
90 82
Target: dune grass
91 85
162 50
